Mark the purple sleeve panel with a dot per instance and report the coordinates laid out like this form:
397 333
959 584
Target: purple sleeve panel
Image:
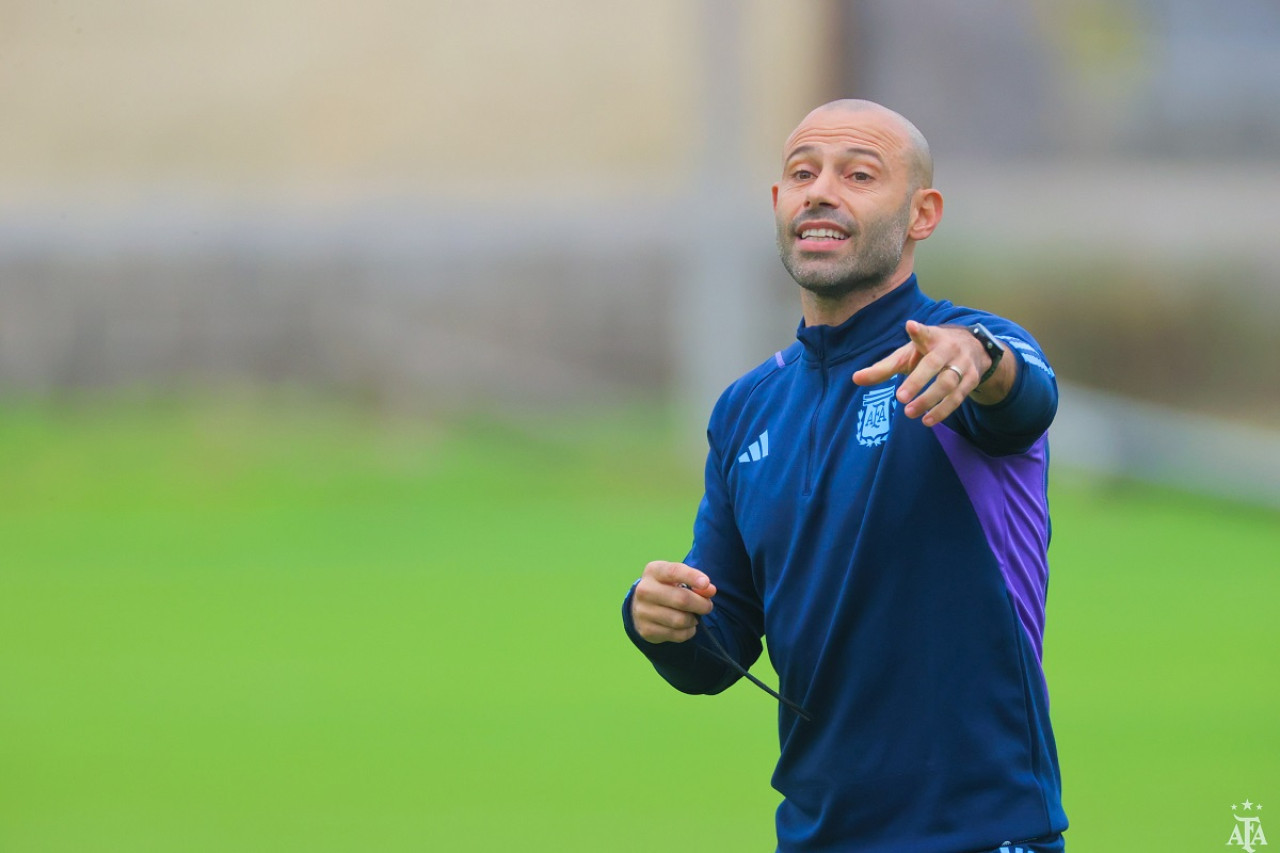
1008 496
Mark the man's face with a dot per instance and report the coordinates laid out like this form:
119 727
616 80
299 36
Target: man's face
844 203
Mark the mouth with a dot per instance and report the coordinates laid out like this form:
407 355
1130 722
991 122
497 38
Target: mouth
820 236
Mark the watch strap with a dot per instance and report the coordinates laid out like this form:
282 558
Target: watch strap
991 346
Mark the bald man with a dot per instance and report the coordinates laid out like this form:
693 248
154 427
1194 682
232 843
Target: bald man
875 505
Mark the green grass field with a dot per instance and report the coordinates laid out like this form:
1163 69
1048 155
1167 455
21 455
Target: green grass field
296 626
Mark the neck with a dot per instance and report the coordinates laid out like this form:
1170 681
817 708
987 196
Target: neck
821 310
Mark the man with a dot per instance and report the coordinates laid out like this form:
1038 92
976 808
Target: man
875 505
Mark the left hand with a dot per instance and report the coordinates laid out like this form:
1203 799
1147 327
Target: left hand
931 359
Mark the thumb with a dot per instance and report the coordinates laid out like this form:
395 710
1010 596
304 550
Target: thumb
674 574
900 360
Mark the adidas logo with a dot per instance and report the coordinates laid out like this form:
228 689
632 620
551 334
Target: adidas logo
758 449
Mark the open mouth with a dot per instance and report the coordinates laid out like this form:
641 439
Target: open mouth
822 234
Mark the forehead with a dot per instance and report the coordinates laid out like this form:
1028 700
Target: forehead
869 131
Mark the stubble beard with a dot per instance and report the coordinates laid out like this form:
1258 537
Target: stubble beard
867 268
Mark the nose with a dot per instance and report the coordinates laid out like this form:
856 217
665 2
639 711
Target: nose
821 191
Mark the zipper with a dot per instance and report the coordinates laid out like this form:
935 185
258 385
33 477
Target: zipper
813 422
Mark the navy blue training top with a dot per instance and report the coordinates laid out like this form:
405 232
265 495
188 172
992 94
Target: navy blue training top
899 573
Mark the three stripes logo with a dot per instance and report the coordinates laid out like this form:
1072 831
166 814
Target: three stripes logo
757 450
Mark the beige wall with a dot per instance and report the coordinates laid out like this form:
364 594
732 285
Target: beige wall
316 100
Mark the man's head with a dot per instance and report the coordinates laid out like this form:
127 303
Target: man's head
856 195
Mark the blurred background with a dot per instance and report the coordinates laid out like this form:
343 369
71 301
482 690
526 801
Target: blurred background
447 204
338 340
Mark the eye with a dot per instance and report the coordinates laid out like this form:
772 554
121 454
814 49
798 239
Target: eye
802 174
860 176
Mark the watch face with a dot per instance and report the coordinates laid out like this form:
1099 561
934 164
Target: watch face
982 334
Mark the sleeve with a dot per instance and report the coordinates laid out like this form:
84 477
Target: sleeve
737 619
1016 422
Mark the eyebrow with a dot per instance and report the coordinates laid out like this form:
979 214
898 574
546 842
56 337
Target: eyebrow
807 149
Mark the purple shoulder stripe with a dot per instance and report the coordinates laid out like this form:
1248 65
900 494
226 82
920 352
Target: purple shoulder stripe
777 356
1008 495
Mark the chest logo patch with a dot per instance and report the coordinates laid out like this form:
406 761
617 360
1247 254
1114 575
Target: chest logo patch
876 416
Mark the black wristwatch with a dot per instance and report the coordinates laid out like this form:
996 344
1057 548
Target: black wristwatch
989 343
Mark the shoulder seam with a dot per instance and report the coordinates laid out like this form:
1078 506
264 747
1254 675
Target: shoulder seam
779 364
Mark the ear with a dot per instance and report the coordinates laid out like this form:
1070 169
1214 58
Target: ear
775 196
926 213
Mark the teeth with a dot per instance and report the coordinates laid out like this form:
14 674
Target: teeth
821 234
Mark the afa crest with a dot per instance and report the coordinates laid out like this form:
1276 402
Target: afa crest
876 416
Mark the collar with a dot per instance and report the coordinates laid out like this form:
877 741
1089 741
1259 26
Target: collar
865 328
